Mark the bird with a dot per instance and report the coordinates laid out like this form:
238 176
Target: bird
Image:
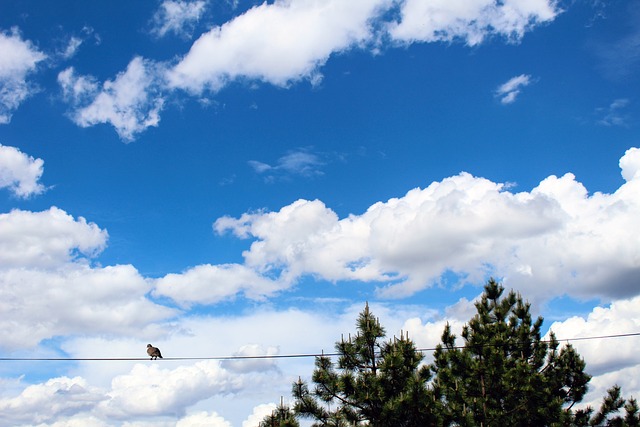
154 352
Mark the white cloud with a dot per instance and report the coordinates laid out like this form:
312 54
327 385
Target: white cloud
281 43
145 392
611 360
19 172
164 392
19 59
46 239
167 392
288 41
44 259
556 233
259 413
72 47
630 164
203 419
47 401
277 43
509 91
76 299
177 16
131 102
173 389
208 284
469 21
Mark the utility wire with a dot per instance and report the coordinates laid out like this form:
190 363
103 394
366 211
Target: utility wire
275 356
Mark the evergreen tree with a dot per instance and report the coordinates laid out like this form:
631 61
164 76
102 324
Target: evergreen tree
505 374
282 416
374 382
610 413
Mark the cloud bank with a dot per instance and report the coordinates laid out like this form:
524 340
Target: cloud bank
555 233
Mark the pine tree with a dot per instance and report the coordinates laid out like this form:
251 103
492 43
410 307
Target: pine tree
373 383
505 374
282 416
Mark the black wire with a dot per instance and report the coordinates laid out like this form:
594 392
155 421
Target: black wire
275 356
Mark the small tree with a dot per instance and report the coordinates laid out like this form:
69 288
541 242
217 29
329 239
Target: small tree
609 414
282 416
374 383
505 374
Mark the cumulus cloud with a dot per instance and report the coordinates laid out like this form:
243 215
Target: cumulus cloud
19 59
19 172
177 16
131 102
278 43
46 239
555 233
45 265
509 91
109 300
471 22
288 41
630 164
611 360
45 402
154 396
173 389
281 43
208 284
167 392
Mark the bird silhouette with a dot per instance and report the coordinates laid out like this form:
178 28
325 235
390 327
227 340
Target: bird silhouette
154 352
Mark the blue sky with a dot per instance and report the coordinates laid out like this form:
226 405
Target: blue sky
226 177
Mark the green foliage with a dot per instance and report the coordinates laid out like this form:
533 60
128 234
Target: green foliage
374 382
282 416
505 374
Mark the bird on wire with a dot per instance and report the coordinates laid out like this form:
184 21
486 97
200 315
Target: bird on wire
154 352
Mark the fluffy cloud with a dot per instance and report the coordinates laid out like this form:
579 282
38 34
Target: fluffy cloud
19 58
611 360
471 22
276 43
131 102
173 389
44 259
167 392
19 172
65 401
556 233
177 16
208 284
108 300
47 401
288 41
280 43
46 239
161 393
509 91
630 164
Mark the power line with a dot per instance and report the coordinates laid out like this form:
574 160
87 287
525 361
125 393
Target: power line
257 357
